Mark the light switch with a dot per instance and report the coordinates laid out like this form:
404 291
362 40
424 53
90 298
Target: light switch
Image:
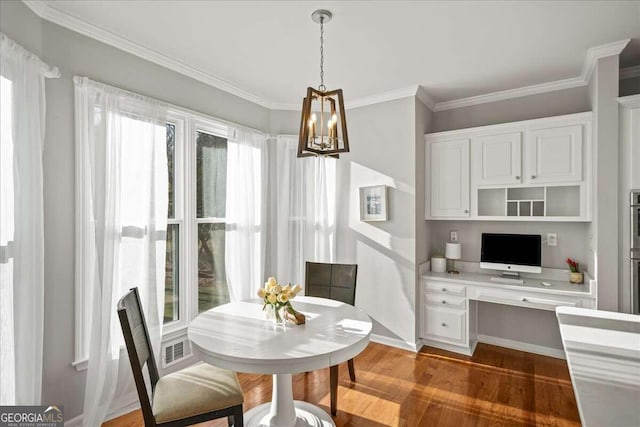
552 239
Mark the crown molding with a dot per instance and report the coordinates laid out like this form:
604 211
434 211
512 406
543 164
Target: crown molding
45 11
602 51
630 72
286 106
593 54
510 94
426 99
378 98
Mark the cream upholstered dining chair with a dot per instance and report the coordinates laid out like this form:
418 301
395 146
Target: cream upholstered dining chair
336 282
192 395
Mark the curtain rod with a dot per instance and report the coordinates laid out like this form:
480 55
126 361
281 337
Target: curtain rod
7 45
78 79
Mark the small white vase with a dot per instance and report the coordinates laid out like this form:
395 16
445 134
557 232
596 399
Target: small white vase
438 264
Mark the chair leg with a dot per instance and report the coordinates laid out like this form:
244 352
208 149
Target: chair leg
352 370
333 376
238 418
230 420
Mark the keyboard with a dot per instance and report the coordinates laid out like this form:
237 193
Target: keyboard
507 280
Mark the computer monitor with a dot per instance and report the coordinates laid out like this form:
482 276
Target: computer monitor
511 253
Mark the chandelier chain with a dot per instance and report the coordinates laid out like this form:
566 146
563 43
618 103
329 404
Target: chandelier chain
322 86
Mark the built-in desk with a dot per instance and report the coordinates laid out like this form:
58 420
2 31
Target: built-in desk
448 303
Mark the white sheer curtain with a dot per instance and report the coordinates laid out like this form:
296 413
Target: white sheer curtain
22 126
245 212
123 188
306 210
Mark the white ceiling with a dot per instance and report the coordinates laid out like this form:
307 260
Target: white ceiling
453 49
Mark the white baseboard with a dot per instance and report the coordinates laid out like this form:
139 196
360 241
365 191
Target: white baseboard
522 346
114 413
393 342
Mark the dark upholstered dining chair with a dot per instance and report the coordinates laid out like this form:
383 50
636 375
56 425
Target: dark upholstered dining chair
336 282
192 395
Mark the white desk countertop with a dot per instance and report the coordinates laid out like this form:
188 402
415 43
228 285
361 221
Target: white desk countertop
530 284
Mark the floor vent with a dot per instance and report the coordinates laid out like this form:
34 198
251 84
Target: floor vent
174 351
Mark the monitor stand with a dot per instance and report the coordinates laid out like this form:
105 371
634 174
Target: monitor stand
509 277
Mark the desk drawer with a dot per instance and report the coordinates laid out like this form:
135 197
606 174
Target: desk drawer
445 288
445 324
445 300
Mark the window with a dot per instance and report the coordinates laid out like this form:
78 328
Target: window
195 276
211 193
195 268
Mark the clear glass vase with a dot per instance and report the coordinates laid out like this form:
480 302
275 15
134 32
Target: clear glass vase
275 314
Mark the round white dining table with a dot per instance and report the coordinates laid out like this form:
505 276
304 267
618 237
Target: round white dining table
237 336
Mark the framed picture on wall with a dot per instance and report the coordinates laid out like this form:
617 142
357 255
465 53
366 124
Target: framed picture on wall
373 203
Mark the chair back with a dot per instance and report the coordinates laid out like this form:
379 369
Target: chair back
333 281
136 338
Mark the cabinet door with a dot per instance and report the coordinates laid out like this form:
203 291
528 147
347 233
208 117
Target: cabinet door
555 154
450 178
497 159
442 324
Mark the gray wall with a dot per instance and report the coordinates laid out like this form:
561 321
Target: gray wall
629 86
286 122
571 238
537 327
75 54
382 142
548 104
493 319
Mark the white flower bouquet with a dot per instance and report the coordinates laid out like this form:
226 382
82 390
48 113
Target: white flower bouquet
277 300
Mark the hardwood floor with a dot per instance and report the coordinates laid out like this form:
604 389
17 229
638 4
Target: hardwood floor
495 387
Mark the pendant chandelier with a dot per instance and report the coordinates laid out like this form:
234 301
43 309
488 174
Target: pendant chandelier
323 126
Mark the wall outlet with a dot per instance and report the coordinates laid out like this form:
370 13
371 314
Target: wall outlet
453 236
552 239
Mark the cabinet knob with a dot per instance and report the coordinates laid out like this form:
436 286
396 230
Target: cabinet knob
466 211
533 177
444 289
517 177
444 325
444 302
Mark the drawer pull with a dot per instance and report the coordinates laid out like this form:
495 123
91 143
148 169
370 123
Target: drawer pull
444 325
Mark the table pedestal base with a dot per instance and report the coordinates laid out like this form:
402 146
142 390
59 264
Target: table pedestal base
307 415
283 411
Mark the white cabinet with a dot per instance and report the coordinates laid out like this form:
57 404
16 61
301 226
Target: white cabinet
445 316
554 154
534 170
449 162
497 159
445 324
